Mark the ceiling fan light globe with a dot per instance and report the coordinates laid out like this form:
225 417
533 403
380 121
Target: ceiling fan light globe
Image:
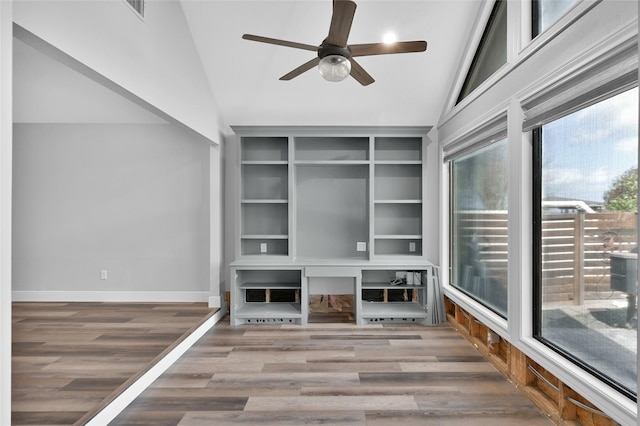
334 67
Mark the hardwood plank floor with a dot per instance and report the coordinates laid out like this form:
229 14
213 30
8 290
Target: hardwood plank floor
332 373
67 358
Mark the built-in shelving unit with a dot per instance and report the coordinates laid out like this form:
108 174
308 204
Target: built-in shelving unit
265 196
398 197
329 198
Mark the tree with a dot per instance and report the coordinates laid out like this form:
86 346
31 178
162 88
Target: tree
623 195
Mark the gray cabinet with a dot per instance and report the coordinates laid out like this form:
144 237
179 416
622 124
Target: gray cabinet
334 195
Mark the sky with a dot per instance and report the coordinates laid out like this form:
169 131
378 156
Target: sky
583 153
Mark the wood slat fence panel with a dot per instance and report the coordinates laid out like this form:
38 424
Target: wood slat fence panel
576 249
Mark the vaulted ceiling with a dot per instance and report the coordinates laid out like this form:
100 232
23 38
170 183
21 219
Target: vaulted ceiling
410 89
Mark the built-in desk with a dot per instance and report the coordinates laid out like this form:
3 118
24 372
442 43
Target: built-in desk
377 294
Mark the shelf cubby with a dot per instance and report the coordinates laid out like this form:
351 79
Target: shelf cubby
398 182
264 149
334 149
265 219
265 181
385 301
253 246
398 219
398 246
268 296
398 149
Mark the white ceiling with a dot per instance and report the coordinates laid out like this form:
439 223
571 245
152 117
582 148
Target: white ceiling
410 89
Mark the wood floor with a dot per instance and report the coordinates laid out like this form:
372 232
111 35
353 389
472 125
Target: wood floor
70 358
332 373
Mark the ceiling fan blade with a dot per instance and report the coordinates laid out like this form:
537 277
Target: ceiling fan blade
280 42
360 74
343 12
302 68
385 49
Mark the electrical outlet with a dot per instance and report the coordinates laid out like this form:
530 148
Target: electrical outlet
361 246
263 247
412 246
103 274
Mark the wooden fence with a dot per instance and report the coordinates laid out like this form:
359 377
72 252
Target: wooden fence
576 250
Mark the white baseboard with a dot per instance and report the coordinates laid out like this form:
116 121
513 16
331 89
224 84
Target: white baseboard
215 302
113 296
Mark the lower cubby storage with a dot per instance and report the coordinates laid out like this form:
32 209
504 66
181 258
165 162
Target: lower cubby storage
393 296
268 293
268 296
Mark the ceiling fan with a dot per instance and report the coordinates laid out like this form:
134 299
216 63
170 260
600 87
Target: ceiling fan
335 57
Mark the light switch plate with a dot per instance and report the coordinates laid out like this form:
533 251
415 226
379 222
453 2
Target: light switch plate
361 246
412 246
263 247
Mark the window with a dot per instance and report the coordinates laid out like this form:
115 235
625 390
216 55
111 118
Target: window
492 50
545 12
478 255
137 5
586 195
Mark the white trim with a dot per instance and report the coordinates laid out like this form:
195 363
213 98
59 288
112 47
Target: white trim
215 302
111 296
132 392
519 269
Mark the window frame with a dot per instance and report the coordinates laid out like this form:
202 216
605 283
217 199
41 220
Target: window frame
484 143
488 128
537 257
497 5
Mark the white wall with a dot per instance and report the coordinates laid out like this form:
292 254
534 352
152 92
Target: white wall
154 59
6 54
131 199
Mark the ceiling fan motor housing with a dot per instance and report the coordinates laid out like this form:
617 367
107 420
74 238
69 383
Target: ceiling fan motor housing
327 49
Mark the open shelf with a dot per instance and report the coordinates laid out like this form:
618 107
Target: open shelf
269 310
265 149
324 148
398 149
271 285
398 219
262 181
267 296
393 310
265 219
398 182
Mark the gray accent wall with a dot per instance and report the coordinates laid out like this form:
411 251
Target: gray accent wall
129 199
